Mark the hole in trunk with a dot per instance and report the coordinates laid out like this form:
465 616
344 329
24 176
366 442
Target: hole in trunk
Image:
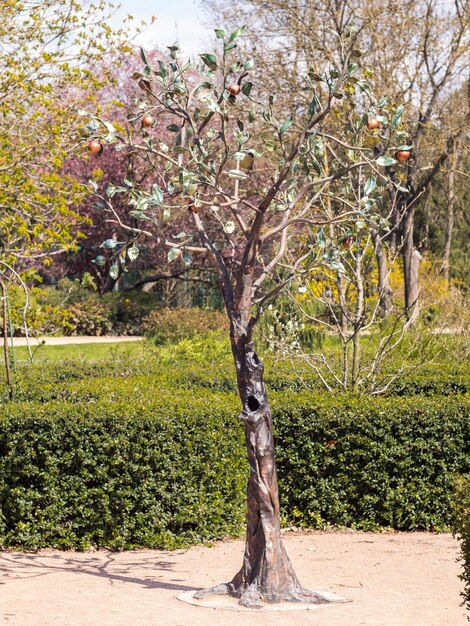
253 403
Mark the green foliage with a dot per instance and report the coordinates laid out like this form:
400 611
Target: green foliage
51 61
108 473
172 325
203 362
433 381
148 452
113 313
71 309
371 463
44 315
89 319
462 529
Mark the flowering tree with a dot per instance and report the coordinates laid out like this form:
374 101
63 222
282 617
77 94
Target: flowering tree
50 51
255 193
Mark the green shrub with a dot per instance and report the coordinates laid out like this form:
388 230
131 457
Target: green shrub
43 316
462 529
126 462
446 379
88 318
202 363
370 462
199 364
173 325
71 309
128 311
120 475
111 314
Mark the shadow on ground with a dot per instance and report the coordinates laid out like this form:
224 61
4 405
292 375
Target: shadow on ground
22 566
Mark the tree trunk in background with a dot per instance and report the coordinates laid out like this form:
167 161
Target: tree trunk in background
450 214
414 284
411 260
384 289
6 352
109 284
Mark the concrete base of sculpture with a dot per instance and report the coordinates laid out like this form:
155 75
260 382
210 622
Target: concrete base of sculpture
229 603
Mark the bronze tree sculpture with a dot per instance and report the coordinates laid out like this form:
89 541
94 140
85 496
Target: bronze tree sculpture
255 194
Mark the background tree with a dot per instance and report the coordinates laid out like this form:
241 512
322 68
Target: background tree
442 222
51 61
254 197
417 52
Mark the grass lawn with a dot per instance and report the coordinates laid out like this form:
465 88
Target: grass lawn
86 351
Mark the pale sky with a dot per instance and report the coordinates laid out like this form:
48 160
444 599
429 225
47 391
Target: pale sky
177 20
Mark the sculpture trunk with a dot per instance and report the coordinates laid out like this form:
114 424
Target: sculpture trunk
266 572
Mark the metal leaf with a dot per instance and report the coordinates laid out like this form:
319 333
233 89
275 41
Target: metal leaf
210 60
386 161
114 271
133 253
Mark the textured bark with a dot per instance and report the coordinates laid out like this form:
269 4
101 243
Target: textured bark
266 571
451 201
266 574
411 259
384 289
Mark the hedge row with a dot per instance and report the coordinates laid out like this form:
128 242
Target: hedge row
76 380
367 463
143 473
168 468
462 529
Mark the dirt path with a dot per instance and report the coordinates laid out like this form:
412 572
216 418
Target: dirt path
406 579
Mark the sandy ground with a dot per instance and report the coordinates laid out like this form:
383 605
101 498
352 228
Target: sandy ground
392 579
61 341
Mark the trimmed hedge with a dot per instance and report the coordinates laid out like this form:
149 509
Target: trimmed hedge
147 473
446 379
369 463
462 529
72 379
167 467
